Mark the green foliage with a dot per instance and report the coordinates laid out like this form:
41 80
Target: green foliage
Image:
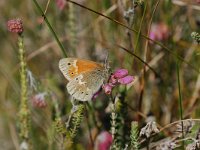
59 127
63 133
77 118
119 129
114 129
134 135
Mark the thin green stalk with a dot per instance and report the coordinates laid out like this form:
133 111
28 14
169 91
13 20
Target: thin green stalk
139 32
72 28
50 27
89 127
149 28
180 100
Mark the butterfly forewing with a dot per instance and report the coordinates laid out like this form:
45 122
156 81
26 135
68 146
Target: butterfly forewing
71 67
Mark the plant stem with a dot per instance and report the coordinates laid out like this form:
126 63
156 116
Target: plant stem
139 32
24 112
50 27
180 100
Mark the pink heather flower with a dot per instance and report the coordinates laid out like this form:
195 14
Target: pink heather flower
120 73
159 32
198 1
15 25
112 80
120 76
107 88
126 80
61 4
103 141
38 100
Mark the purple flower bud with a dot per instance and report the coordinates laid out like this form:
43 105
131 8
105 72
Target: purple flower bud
107 88
112 81
126 80
120 73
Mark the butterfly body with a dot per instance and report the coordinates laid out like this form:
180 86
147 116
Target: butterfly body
85 77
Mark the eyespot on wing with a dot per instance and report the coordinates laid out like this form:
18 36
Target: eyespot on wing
68 67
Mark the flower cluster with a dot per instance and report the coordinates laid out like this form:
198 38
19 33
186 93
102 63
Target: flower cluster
103 141
159 31
15 25
38 100
120 76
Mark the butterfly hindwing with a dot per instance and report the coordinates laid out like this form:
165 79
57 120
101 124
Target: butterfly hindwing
85 85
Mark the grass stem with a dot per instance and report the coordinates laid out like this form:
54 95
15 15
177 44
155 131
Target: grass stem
50 27
180 99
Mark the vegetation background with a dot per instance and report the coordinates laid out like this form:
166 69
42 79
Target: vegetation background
165 93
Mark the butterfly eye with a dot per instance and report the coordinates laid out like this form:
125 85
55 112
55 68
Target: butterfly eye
86 94
69 64
76 78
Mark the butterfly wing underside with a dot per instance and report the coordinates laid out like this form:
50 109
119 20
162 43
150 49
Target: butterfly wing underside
85 77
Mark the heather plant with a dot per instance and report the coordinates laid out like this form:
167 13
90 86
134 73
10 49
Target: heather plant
149 100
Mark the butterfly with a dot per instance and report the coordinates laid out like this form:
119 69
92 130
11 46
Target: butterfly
85 77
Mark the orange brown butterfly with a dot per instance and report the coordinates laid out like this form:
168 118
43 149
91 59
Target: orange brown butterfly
85 77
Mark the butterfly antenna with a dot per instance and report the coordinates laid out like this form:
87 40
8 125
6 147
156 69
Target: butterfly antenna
106 61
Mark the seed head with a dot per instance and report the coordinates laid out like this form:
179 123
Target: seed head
15 25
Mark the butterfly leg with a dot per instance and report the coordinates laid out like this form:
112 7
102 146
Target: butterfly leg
73 110
74 106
